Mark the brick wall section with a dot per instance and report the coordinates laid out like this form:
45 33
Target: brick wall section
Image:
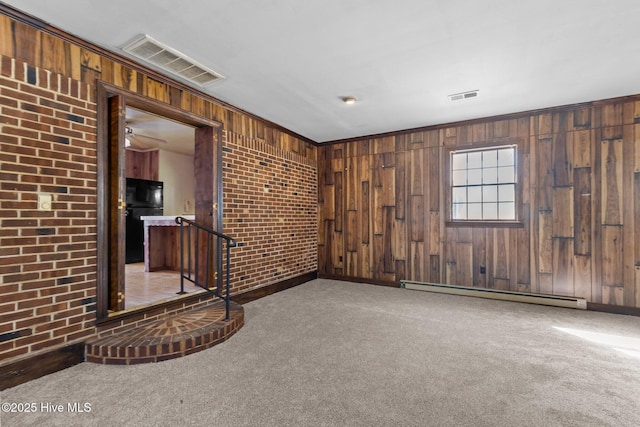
270 208
47 258
48 263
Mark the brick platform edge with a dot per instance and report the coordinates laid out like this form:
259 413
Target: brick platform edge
174 336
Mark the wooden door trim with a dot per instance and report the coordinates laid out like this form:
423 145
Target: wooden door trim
103 230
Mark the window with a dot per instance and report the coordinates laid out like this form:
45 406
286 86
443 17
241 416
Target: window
483 184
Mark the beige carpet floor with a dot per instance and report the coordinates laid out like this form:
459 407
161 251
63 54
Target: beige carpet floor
330 353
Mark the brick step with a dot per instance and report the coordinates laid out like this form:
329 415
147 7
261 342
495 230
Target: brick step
174 336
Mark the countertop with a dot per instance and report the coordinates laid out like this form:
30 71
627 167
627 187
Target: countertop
166 217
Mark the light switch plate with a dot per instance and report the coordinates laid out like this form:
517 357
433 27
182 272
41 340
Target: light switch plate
44 202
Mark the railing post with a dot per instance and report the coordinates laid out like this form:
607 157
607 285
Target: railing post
210 234
226 297
207 269
189 260
181 259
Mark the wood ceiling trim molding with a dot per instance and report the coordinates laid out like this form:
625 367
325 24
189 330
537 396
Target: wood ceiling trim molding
40 25
510 116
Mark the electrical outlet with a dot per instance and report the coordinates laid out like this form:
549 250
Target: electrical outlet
483 269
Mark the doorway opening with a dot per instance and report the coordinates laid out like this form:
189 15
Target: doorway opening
160 183
155 163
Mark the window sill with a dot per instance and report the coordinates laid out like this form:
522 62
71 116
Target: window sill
485 224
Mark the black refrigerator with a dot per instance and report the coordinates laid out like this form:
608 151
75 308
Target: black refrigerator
144 198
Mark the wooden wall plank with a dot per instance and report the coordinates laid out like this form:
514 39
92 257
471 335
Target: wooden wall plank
399 241
365 261
582 118
377 256
53 54
501 284
479 132
451 269
581 141
328 205
434 269
432 138
544 126
545 175
596 212
377 209
562 212
434 187
338 193
352 183
418 265
435 244
562 153
400 182
582 211
27 43
522 255
464 263
637 281
636 209
612 265
502 254
417 179
636 144
582 277
628 213
479 236
545 249
351 233
351 264
365 213
545 283
611 184
613 295
563 283
337 252
612 120
417 214
400 270
6 37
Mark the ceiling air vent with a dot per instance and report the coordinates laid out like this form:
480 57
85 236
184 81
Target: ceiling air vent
463 95
171 60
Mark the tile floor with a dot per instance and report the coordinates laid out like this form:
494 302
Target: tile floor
145 288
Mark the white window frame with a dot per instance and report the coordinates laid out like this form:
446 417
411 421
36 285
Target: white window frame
483 184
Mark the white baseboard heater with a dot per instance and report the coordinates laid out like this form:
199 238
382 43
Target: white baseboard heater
553 300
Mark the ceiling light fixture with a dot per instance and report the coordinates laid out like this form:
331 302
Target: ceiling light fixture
349 100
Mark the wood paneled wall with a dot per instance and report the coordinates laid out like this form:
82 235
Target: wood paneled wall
383 206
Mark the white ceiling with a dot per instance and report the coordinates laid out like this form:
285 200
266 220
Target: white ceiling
151 132
290 61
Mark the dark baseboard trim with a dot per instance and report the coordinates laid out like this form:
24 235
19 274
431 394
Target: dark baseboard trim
255 294
368 281
30 368
613 309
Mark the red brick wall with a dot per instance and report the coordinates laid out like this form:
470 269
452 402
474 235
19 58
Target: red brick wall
270 208
47 258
